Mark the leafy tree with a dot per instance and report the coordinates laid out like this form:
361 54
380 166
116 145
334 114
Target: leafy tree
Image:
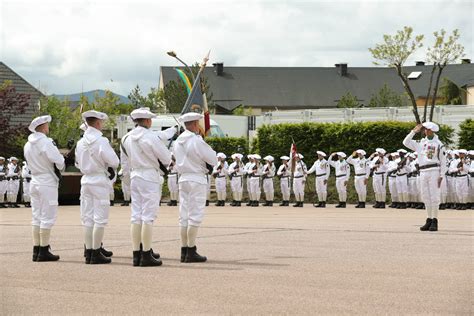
153 100
348 101
136 97
466 134
450 92
386 97
394 52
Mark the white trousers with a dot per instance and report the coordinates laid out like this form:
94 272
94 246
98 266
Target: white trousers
285 188
95 205
413 189
3 190
26 191
429 190
192 201
255 188
221 184
146 196
236 184
126 188
392 188
249 188
380 190
361 188
268 189
341 188
402 184
12 190
462 189
471 189
451 196
173 183
44 205
298 188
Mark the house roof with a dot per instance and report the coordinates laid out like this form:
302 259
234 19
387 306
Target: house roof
312 87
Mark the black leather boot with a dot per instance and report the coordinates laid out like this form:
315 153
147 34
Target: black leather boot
98 258
339 205
136 258
376 205
193 256
233 203
434 225
297 204
265 204
170 203
112 203
301 204
249 203
442 206
45 255
155 255
256 203
402 206
427 225
270 203
283 203
105 252
88 256
184 250
239 203
358 205
362 205
35 252
147 260
382 205
323 204
207 202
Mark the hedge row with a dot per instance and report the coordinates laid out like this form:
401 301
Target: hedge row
466 134
229 145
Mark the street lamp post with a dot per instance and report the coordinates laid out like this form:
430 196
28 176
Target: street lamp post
173 54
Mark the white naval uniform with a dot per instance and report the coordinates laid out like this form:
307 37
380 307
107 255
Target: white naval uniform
3 183
284 175
247 177
173 182
220 172
392 179
362 172
13 176
432 161
321 171
402 182
413 189
41 155
254 173
299 180
192 153
93 156
451 196
343 172
379 166
471 181
26 176
125 179
236 172
461 180
267 181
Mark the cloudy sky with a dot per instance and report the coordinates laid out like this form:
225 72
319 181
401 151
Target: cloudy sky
66 46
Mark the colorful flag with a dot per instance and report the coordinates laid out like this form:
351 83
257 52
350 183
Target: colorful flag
185 79
293 153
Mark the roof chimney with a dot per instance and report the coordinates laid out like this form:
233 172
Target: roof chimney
219 68
342 69
420 63
465 61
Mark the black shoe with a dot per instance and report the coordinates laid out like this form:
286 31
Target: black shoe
218 203
233 203
393 205
223 203
463 206
240 203
342 205
434 225
98 258
297 204
136 258
420 206
36 250
402 206
207 202
270 203
184 250
361 205
106 252
323 204
376 205
339 205
442 206
255 203
125 203
427 225
301 204
155 255
170 203
193 256
358 205
283 203
112 203
88 255
147 260
382 205
14 205
266 203
317 204
45 255
249 203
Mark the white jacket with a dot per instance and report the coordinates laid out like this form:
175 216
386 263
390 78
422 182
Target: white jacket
430 152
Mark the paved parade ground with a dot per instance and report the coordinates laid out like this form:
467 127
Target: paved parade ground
261 260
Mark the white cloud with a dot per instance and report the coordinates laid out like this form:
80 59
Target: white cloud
75 44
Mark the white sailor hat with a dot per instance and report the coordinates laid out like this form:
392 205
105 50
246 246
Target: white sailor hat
394 154
341 154
462 151
321 153
300 156
455 152
471 152
269 158
2 158
412 155
83 126
39 121
402 151
431 126
237 155
257 156
190 116
285 158
381 151
361 151
142 113
250 156
221 155
95 114
13 158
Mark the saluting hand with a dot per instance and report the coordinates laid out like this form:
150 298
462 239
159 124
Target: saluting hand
418 128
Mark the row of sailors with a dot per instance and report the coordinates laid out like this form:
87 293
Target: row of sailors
400 169
11 174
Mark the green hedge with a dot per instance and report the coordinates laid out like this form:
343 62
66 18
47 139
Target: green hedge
229 145
275 140
466 134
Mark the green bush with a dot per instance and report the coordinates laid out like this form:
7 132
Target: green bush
466 134
229 145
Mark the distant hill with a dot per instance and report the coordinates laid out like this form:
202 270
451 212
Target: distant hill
90 95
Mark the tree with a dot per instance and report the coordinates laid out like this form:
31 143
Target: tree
136 97
152 100
444 51
386 97
348 101
394 52
12 103
450 92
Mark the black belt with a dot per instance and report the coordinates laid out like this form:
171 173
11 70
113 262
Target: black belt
171 174
284 177
238 176
298 177
402 174
267 178
433 165
380 173
320 175
2 178
461 175
13 178
341 175
220 177
360 174
392 176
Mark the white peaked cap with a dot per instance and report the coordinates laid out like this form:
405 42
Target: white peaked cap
95 114
361 151
250 156
237 155
269 158
221 155
462 151
257 156
13 158
381 151
190 116
142 113
2 158
322 153
402 151
431 126
471 152
40 120
285 158
341 154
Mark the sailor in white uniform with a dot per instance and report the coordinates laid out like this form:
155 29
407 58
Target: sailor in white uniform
3 181
299 180
247 178
173 182
321 171
378 167
254 172
220 175
343 172
26 176
236 172
284 173
362 173
268 172
13 176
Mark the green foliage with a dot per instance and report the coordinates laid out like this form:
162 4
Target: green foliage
229 145
242 110
153 100
450 92
348 101
466 134
386 97
445 50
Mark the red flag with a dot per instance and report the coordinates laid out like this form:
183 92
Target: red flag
293 154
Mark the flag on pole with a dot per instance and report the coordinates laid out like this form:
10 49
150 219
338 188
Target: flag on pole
293 153
185 79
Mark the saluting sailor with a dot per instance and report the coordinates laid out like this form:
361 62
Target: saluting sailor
97 162
254 172
268 172
460 167
378 167
193 157
236 172
392 179
343 172
402 179
219 173
247 175
13 177
299 180
3 182
362 173
284 174
321 171
432 161
44 161
26 176
148 159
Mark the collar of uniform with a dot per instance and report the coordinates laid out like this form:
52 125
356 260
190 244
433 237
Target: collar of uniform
92 131
435 138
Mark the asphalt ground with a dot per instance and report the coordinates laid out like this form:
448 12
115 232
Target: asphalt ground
279 260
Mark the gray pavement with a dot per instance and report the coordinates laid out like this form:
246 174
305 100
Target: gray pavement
261 261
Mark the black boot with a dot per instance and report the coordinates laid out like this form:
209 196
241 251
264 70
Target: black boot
125 203
98 258
249 203
256 203
170 203
136 258
155 255
193 256
442 206
339 205
427 225
184 250
265 204
36 250
376 205
218 203
45 255
223 203
393 205
301 204
207 202
402 206
88 254
342 205
434 225
463 206
232 203
297 204
419 206
358 205
270 203
147 260
283 203
112 203
105 252
323 204
362 205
